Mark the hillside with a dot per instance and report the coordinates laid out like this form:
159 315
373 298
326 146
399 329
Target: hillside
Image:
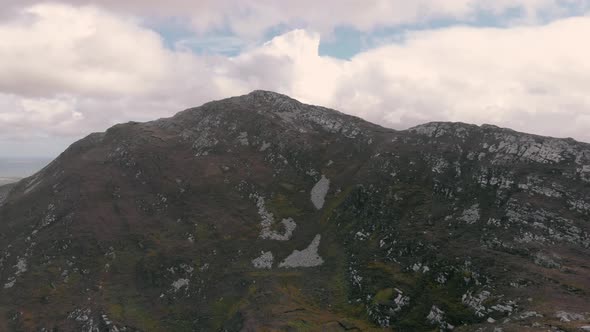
260 213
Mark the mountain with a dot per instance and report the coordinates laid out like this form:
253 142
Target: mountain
261 213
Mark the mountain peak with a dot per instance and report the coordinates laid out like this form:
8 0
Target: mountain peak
279 102
267 94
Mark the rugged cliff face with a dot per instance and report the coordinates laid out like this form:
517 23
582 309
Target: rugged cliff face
262 213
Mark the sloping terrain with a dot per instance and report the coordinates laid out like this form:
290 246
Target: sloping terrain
261 213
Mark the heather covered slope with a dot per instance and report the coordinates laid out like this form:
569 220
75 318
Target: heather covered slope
261 213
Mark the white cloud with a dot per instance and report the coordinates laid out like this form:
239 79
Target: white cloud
252 17
57 116
529 78
49 49
67 71
518 77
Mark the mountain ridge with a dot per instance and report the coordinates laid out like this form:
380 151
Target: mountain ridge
286 103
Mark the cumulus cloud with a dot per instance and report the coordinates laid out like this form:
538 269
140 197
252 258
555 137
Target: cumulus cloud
523 77
49 49
475 75
66 71
57 116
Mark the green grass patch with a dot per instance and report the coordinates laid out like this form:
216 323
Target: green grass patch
334 203
282 207
383 296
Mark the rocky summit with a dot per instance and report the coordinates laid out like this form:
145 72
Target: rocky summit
260 213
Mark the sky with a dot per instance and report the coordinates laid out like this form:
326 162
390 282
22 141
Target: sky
69 68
